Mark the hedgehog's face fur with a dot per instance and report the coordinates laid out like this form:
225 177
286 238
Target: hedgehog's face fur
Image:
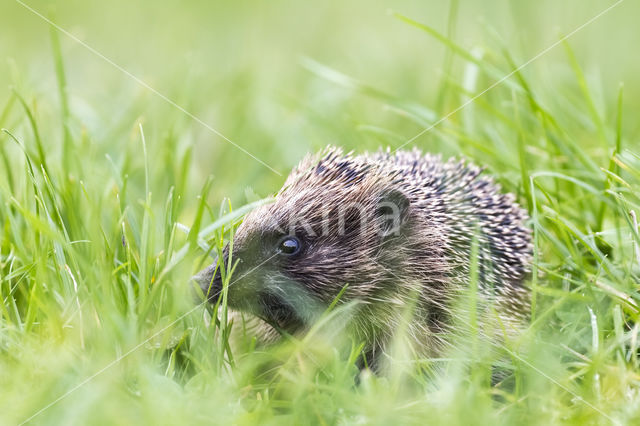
334 224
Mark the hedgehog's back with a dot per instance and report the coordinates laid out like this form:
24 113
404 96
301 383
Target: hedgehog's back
457 194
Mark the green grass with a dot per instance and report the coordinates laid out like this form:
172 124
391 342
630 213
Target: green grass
110 199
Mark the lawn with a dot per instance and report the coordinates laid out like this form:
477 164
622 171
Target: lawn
135 135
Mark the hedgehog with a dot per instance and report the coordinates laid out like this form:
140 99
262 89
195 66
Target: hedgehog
386 231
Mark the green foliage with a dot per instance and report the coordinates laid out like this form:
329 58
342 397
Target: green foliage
109 202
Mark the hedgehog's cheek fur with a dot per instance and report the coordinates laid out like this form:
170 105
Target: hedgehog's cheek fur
285 303
262 290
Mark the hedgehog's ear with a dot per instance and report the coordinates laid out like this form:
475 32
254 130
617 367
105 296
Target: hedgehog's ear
391 212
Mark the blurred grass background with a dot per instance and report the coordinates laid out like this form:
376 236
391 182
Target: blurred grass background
93 263
238 68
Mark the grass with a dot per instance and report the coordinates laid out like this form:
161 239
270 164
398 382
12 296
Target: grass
111 199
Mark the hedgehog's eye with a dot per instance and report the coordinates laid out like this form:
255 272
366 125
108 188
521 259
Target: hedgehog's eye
289 245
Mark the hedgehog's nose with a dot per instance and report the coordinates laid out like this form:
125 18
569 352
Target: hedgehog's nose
210 282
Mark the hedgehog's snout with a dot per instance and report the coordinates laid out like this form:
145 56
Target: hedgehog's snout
210 282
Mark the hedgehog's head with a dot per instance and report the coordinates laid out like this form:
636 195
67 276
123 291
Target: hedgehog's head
338 221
